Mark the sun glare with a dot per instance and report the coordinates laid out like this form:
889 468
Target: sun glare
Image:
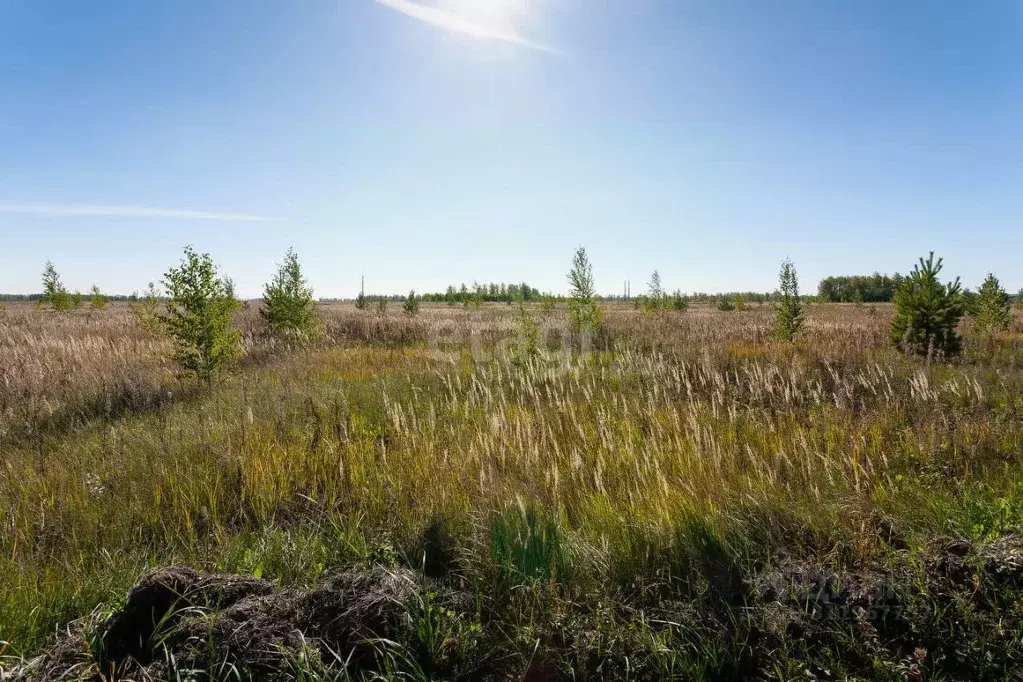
492 13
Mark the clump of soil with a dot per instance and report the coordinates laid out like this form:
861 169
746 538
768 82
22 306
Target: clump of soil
160 600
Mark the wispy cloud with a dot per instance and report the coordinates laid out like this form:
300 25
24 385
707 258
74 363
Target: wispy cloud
128 212
458 24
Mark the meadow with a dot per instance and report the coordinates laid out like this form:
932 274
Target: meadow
687 498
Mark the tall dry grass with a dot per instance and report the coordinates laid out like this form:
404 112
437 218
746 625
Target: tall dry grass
349 449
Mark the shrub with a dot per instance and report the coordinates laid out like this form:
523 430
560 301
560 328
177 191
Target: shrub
97 301
679 301
789 318
411 305
54 293
382 305
473 300
198 316
726 304
992 310
361 302
547 302
583 311
288 306
927 312
526 349
145 308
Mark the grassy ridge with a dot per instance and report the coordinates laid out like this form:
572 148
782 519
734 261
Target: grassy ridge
671 473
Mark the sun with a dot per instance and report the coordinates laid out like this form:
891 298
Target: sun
492 13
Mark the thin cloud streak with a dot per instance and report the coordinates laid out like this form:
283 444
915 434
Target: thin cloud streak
129 212
456 24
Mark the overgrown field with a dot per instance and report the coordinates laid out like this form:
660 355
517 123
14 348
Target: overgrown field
411 499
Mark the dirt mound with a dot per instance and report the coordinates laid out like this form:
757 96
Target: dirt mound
156 604
352 607
178 617
952 609
808 601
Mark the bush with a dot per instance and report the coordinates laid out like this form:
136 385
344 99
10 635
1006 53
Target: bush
472 300
97 301
927 312
198 316
679 301
145 308
288 306
361 302
526 349
411 305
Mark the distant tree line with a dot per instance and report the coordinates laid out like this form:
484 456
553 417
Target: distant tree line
35 298
494 292
697 297
876 288
746 296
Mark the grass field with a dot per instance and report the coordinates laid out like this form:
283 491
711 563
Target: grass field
689 499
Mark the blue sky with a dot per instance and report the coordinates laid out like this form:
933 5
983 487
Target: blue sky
443 141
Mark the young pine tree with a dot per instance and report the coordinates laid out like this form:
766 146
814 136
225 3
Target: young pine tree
992 309
583 310
97 301
789 318
411 305
54 293
145 308
288 305
361 302
547 303
526 349
472 299
971 300
198 316
927 312
382 306
679 301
